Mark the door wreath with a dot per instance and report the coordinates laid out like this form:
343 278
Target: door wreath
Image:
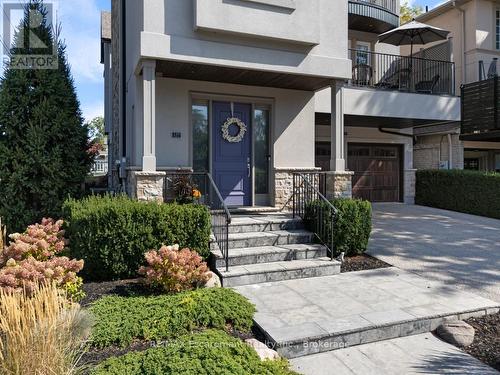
225 130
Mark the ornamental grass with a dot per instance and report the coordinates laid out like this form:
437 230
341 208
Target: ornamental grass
42 334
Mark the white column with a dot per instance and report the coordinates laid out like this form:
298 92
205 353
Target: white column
337 161
149 117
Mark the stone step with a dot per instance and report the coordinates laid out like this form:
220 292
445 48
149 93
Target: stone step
278 271
264 223
269 254
309 316
273 238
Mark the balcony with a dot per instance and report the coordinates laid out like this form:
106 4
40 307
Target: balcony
373 16
481 111
402 73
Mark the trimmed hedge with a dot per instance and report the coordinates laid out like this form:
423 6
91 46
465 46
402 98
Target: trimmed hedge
353 225
111 234
207 353
120 320
471 192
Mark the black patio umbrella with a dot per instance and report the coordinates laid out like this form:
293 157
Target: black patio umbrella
413 33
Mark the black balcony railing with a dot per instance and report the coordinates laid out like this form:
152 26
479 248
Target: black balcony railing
403 73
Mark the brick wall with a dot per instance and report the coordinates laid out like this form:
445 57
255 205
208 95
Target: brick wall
427 151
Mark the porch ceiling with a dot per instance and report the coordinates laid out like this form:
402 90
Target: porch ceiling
201 72
374 121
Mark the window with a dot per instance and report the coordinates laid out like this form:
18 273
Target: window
497 29
262 152
471 164
362 53
199 119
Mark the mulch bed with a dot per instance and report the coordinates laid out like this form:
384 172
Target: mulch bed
362 263
486 345
122 288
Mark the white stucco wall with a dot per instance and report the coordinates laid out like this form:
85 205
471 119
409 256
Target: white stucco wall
479 36
283 44
371 102
292 121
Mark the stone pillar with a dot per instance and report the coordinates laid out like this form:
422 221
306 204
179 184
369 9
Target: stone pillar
338 181
283 185
149 115
409 186
339 184
147 186
337 161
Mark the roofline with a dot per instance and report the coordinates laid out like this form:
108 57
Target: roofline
440 9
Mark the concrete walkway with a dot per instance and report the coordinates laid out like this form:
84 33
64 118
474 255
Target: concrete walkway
306 316
420 354
455 248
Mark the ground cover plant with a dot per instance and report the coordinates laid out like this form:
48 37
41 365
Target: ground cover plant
112 234
41 333
210 352
120 320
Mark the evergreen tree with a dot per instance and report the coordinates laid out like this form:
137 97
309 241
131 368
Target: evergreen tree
43 142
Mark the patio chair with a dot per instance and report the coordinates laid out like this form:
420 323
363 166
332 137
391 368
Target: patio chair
362 75
427 87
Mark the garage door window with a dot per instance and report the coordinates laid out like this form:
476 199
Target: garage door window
384 152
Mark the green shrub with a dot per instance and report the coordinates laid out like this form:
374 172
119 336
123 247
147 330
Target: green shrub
353 224
470 192
172 270
207 353
120 320
112 234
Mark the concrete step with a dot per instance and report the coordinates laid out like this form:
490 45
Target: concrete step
269 254
273 238
264 223
278 271
254 210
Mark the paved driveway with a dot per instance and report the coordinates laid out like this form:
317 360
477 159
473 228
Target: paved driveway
455 248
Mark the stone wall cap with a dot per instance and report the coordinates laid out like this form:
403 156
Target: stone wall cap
297 169
340 173
149 174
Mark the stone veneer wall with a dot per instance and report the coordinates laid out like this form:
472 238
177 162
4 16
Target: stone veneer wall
409 185
146 186
339 184
429 148
283 185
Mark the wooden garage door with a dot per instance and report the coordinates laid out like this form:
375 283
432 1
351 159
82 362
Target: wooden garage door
377 172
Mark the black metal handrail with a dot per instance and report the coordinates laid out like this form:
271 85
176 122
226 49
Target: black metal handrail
180 186
403 73
221 219
319 214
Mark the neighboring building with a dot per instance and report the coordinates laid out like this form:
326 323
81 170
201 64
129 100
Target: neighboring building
474 46
175 70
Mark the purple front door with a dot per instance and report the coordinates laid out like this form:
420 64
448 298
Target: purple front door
231 160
